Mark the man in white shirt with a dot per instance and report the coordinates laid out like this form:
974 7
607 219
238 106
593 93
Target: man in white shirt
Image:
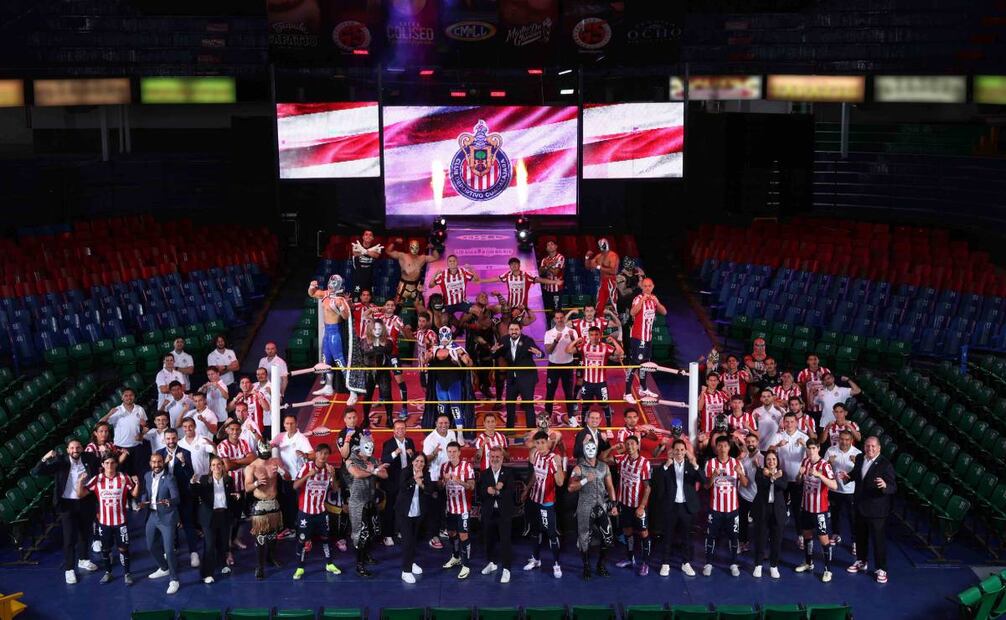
155 436
294 450
200 448
842 458
751 461
791 444
205 419
216 393
183 361
435 449
264 388
560 363
830 393
224 360
129 423
165 376
272 359
176 405
768 417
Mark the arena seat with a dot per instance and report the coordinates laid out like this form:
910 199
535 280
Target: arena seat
258 613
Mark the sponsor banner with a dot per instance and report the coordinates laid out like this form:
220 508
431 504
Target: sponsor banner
650 32
324 28
11 93
100 91
717 87
410 32
633 140
920 88
328 140
589 28
817 88
469 33
990 89
528 31
209 89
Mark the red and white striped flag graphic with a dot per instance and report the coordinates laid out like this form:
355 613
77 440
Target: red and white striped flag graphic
328 140
543 138
633 140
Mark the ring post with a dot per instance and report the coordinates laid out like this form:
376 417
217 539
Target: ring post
274 400
693 400
321 332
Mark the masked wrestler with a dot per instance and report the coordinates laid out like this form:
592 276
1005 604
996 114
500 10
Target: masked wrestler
335 310
437 309
266 518
410 282
607 265
448 383
364 470
592 478
377 356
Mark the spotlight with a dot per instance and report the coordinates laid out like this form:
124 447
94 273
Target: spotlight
438 235
440 223
523 223
522 230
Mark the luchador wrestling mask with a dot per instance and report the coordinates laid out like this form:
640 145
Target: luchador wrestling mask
542 420
335 284
414 248
366 447
446 335
437 302
378 329
628 264
263 450
590 449
602 244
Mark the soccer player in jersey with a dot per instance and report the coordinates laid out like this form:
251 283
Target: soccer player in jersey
644 310
236 454
488 439
811 381
547 475
723 476
395 327
735 379
838 426
712 403
633 497
818 478
519 282
595 355
804 423
312 483
552 266
741 423
111 489
457 478
787 389
453 284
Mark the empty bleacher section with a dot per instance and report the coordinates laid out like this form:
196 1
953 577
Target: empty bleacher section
851 291
91 293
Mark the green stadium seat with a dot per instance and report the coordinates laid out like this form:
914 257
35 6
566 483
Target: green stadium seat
58 358
342 613
200 614
403 613
545 613
999 609
157 614
450 613
258 613
154 337
779 344
124 360
294 614
783 612
736 612
81 357
125 342
645 612
194 331
740 327
952 515
216 327
782 329
829 612
591 612
172 333
149 358
501 613
692 612
873 350
896 354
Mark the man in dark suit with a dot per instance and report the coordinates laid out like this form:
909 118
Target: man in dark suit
160 497
876 485
496 489
178 463
517 351
76 515
397 452
677 501
592 429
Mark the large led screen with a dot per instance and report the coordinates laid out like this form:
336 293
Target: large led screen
328 140
633 140
480 160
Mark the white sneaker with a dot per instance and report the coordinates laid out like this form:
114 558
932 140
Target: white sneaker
665 570
505 576
194 559
326 390
87 565
826 576
629 398
805 567
773 572
532 564
556 571
416 569
735 570
451 563
389 541
687 569
208 580
490 568
71 577
464 572
756 573
172 587
648 394
157 574
225 570
707 570
408 578
96 546
353 397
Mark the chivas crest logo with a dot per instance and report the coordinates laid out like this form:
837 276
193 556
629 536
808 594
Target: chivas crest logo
480 170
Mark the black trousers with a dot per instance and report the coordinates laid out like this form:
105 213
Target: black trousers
410 529
794 497
75 517
745 512
388 515
217 532
288 502
768 531
868 529
841 508
496 531
677 518
556 375
520 383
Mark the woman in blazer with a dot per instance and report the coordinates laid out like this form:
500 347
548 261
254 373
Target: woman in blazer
218 507
412 503
769 514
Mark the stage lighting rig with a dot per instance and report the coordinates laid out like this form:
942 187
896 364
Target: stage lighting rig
522 230
440 223
438 235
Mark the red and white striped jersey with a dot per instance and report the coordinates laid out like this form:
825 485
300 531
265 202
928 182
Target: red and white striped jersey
632 474
744 423
725 480
811 380
642 323
485 442
714 403
453 285
736 383
233 451
454 477
251 399
626 432
582 326
553 266
99 450
543 485
359 322
815 494
394 325
835 429
315 489
426 339
111 494
805 424
517 286
594 357
784 394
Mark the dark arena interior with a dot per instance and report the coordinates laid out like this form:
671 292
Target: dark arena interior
503 309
